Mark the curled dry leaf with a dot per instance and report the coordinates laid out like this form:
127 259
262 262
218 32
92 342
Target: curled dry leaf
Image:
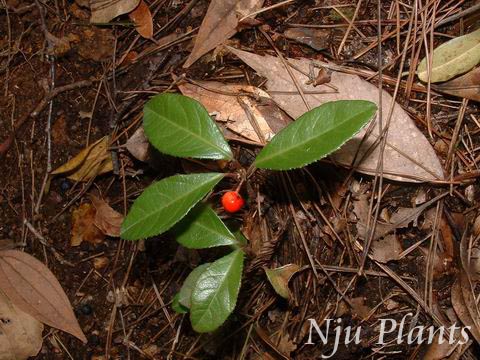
466 86
220 23
32 287
142 17
107 220
84 228
20 333
245 110
280 277
105 10
88 163
452 58
408 155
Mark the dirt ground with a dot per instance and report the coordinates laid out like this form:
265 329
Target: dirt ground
122 291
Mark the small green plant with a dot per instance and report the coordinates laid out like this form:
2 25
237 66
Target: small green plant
180 126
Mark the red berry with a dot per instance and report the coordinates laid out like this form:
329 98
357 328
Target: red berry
232 201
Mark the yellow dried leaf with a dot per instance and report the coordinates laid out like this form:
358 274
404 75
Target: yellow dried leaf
88 163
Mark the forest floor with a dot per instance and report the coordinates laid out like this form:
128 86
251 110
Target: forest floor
322 215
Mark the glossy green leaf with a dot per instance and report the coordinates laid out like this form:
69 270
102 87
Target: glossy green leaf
215 293
166 202
177 307
316 134
202 228
452 58
180 126
185 293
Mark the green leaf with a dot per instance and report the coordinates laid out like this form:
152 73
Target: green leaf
185 293
452 58
315 134
164 203
202 228
177 307
241 239
215 294
180 126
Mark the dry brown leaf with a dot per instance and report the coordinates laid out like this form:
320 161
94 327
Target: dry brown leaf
83 228
315 38
476 226
96 44
105 10
219 24
461 309
142 17
138 145
31 286
382 229
90 162
106 219
20 333
437 351
408 155
59 131
466 86
386 249
255 120
280 277
359 308
286 345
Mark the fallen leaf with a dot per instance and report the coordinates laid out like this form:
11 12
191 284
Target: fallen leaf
476 226
452 58
31 286
359 308
20 334
96 44
59 131
315 38
437 351
138 145
105 10
100 262
142 17
107 220
92 161
280 277
252 116
466 86
286 345
461 308
408 155
386 249
83 228
57 46
219 24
